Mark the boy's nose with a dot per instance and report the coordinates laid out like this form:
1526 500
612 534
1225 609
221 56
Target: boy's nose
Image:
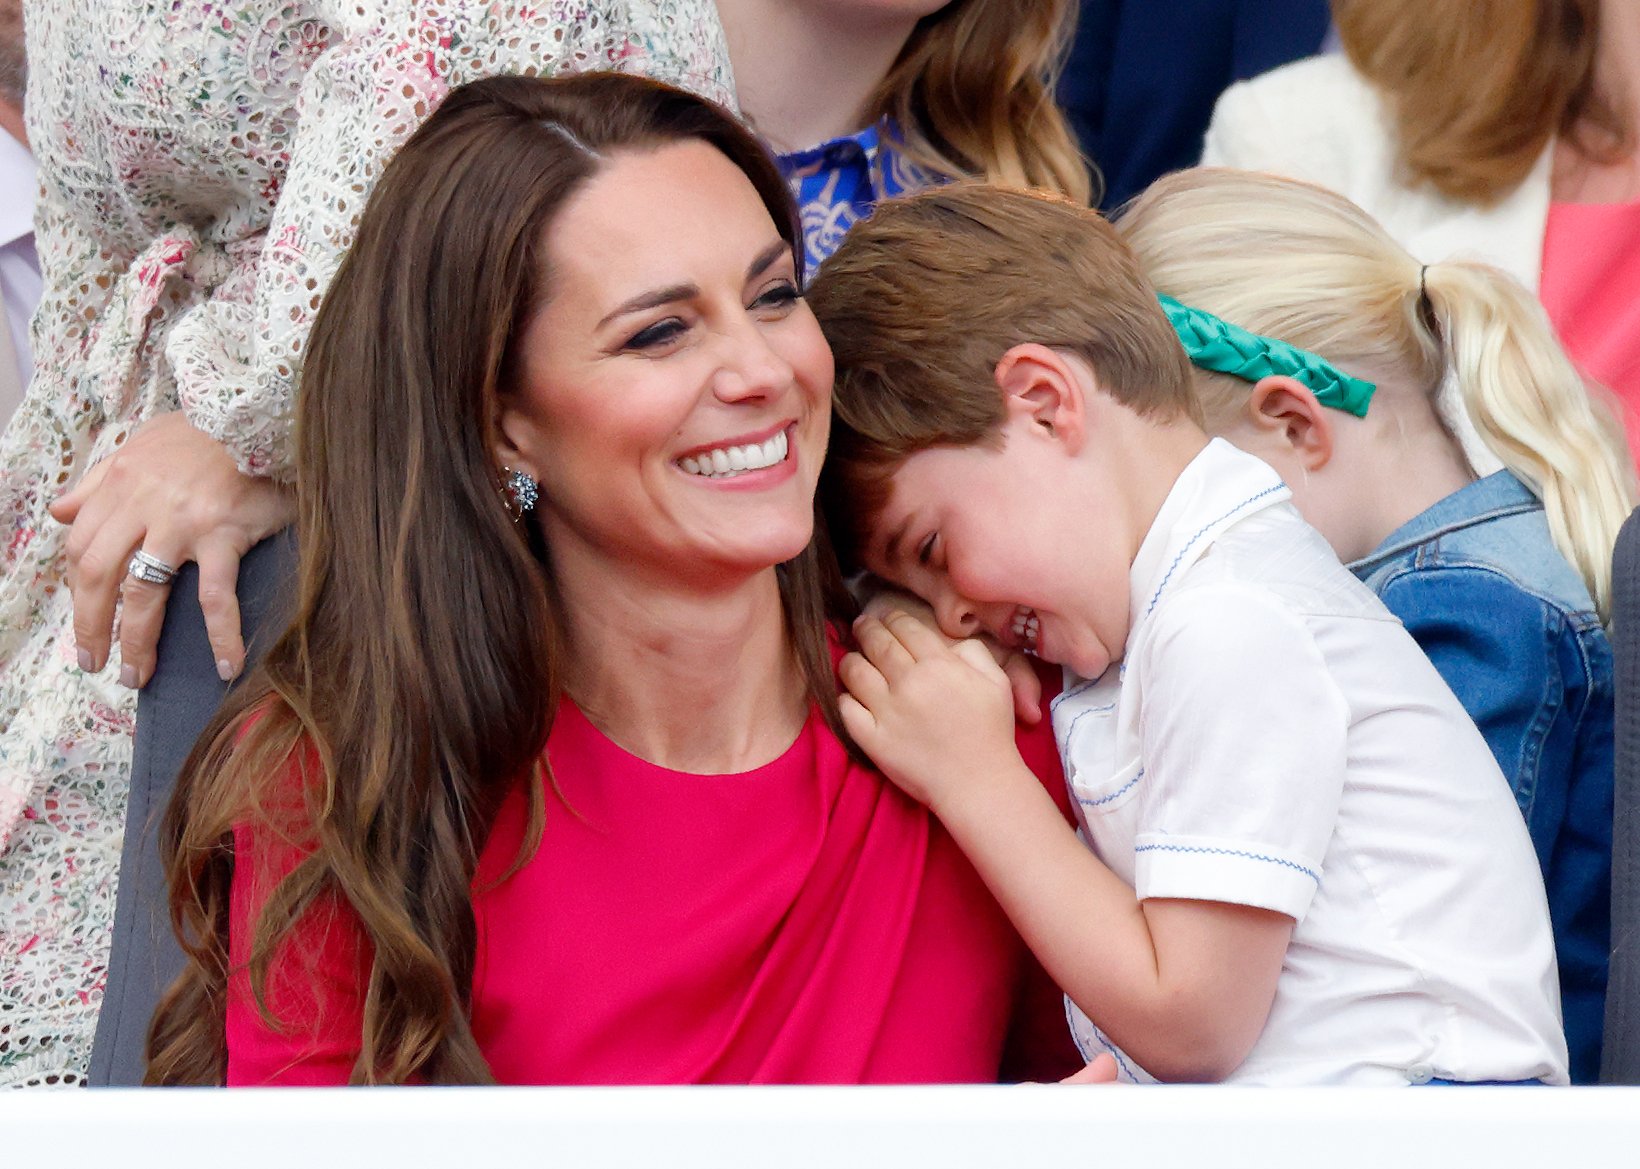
956 616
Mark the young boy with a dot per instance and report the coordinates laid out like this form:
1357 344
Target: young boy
1305 866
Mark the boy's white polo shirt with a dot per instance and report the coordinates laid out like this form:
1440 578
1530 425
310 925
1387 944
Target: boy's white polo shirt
1274 737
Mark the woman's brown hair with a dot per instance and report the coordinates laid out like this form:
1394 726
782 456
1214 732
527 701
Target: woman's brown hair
1477 88
417 683
972 94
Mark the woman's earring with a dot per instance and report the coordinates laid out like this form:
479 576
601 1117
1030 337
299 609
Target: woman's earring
523 490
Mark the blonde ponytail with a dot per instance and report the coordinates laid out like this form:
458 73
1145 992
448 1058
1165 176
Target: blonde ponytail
1290 260
1532 409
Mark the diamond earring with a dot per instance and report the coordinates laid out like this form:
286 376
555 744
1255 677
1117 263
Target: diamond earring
522 490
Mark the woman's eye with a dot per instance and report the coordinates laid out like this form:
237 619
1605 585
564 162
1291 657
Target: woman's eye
656 335
779 297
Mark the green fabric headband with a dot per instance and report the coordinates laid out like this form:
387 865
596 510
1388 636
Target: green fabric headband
1225 348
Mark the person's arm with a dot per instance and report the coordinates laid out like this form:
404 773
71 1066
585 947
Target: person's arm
1184 986
208 490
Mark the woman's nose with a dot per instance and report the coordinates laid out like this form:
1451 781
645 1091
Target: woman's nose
749 367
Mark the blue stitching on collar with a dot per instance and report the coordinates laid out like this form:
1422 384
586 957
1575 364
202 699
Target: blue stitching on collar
1071 730
1274 860
1071 693
1156 596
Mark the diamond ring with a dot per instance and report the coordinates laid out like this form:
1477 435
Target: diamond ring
150 568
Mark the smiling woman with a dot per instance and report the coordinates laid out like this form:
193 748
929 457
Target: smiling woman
591 283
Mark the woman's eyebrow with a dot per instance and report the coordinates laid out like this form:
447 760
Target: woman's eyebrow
677 292
655 299
767 257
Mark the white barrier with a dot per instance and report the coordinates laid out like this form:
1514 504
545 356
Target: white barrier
852 1128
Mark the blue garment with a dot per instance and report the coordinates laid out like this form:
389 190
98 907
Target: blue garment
837 183
1507 621
1139 84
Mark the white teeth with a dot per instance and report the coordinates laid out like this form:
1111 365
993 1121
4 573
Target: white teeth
736 460
1026 627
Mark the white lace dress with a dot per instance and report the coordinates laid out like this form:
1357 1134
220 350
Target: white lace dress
202 168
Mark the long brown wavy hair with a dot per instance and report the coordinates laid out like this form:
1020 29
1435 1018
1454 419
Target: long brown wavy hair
418 680
1477 88
972 93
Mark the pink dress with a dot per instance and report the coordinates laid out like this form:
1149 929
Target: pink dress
1591 289
804 922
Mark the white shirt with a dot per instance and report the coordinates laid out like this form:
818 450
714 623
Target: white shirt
1274 737
20 283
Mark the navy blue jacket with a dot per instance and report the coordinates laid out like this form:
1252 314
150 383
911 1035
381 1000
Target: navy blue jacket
1142 75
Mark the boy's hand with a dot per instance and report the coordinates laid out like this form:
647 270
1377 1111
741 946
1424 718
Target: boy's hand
937 718
1020 669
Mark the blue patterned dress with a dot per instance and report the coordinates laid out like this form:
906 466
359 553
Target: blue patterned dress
837 183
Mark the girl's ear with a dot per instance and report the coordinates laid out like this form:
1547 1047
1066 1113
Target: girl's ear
1047 392
1286 412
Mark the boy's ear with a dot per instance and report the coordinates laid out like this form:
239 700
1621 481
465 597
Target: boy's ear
1284 410
1045 390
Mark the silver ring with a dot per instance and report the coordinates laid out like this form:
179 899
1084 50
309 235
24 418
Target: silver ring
150 568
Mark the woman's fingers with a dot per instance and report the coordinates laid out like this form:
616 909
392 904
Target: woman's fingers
141 617
219 601
177 493
96 574
67 506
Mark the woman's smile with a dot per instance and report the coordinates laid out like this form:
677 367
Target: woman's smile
747 463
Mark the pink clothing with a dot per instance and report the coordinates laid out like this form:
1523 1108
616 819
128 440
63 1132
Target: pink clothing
801 923
1591 289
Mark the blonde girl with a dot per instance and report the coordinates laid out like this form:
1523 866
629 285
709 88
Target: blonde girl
1478 492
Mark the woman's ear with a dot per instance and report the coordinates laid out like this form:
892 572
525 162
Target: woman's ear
1286 412
1045 391
514 432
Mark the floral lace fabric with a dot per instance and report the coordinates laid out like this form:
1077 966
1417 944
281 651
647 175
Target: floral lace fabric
202 169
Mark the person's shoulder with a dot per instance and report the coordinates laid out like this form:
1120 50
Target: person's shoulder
1275 555
1311 119
1302 82
1519 548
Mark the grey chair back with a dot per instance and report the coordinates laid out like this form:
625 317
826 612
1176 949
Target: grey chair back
1620 1059
172 711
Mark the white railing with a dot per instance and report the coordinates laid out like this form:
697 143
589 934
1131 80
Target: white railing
848 1128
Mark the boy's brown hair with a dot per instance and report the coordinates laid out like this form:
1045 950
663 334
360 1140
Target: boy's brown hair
922 301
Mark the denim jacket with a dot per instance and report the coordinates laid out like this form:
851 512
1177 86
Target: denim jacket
1507 621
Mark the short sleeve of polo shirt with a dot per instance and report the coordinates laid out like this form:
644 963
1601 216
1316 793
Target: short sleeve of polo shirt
1244 736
